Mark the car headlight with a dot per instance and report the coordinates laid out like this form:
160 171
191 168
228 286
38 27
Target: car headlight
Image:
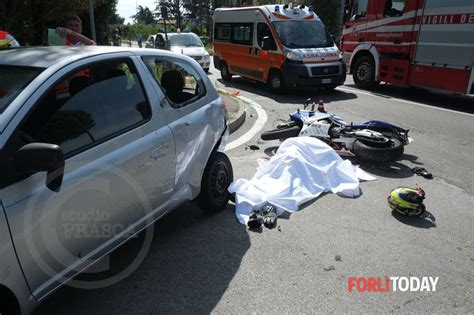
294 56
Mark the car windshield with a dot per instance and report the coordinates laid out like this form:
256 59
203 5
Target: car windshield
303 34
185 40
12 81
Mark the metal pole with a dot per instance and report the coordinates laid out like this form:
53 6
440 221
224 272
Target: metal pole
91 18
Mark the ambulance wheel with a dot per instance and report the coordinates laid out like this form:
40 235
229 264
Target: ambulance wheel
206 70
364 73
226 76
275 82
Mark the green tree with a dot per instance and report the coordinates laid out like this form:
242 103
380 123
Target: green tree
143 16
175 10
29 19
200 13
330 13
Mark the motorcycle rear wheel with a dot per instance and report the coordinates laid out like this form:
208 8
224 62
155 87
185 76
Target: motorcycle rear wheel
365 151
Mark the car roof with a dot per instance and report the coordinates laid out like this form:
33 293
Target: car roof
45 57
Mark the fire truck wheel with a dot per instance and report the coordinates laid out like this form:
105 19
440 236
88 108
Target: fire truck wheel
275 82
364 73
226 76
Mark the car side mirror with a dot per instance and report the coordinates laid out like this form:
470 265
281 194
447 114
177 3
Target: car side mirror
42 157
267 43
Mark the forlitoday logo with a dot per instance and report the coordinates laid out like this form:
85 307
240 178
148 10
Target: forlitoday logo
392 284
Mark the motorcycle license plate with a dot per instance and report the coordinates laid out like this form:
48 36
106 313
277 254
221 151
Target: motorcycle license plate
326 81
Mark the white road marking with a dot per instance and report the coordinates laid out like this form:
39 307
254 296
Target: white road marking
256 128
347 89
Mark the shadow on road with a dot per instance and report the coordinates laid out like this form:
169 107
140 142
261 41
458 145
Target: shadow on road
426 221
192 260
389 169
455 102
292 96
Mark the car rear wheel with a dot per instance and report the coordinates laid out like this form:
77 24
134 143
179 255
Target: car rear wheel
226 76
217 177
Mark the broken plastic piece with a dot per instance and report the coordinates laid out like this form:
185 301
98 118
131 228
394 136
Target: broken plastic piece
421 171
252 147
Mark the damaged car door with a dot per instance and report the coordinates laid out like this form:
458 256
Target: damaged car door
193 110
118 169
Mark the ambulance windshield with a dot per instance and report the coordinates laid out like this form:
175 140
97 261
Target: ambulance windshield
303 34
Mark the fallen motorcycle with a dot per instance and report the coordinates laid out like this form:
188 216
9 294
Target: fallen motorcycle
374 140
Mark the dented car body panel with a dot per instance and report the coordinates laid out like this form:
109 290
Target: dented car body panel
125 166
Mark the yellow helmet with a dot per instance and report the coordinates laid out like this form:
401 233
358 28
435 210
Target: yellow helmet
407 201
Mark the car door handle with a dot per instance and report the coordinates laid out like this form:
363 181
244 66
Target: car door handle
159 152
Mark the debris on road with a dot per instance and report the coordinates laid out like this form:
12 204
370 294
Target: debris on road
252 147
421 171
330 268
266 215
338 258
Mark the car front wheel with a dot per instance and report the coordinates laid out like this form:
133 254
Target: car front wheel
217 177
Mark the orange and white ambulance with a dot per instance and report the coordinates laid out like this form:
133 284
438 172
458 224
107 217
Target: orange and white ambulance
283 45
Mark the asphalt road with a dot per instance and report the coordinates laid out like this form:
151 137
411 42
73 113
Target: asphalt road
202 264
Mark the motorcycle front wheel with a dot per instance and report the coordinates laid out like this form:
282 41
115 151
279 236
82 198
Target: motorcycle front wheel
366 151
281 133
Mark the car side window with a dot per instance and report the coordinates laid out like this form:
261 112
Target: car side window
180 81
89 106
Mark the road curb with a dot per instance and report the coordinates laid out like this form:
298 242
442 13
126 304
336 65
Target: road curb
236 120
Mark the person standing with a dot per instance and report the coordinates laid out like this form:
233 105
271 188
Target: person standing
72 31
7 40
139 40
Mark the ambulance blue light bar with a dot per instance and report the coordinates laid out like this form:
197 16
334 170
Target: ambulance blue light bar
311 8
277 8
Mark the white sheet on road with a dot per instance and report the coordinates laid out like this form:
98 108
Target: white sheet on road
301 170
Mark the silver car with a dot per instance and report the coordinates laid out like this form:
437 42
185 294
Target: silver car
96 143
186 43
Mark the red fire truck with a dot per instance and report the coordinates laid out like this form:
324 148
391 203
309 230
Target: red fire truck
422 43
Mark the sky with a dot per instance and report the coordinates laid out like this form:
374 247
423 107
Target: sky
127 8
